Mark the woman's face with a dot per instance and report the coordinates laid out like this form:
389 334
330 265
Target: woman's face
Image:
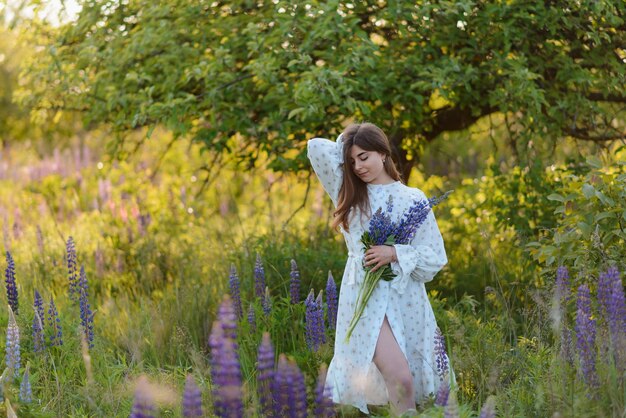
368 165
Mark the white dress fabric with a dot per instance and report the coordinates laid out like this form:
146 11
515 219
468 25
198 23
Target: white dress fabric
352 376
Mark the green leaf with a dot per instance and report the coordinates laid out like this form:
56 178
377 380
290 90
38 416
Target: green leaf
604 215
588 190
594 161
295 112
556 197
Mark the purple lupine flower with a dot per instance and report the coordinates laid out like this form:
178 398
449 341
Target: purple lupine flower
72 266
331 301
192 399
414 217
86 315
259 277
235 291
586 336
294 284
251 318
225 369
297 395
26 391
143 404
314 317
13 345
39 308
324 407
562 284
267 302
617 321
380 227
82 280
289 390
39 342
9 274
489 408
441 399
227 317
441 358
605 287
56 335
281 385
265 374
612 304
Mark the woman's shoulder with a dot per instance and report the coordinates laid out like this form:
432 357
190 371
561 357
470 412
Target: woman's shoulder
412 192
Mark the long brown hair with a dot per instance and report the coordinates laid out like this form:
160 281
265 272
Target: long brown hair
353 192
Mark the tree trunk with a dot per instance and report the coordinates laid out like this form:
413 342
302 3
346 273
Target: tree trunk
400 156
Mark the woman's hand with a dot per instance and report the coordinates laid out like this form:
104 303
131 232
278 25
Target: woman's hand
379 255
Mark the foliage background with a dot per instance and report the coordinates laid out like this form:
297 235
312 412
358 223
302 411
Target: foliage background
168 139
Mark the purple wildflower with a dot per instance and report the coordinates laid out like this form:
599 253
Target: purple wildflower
324 407
192 399
86 315
612 304
489 408
414 217
9 274
289 390
235 292
38 335
586 336
617 322
82 280
251 318
265 376
143 405
562 284
441 357
56 336
331 301
605 286
227 318
225 369
267 302
441 399
380 227
72 266
294 284
38 306
13 345
314 316
259 277
26 391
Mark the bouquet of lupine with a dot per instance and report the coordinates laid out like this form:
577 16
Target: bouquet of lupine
382 231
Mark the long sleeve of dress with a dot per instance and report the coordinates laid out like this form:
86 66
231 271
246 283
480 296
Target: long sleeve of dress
422 259
327 159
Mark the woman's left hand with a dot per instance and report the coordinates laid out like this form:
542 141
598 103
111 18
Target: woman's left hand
379 255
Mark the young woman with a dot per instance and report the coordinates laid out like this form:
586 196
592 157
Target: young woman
390 356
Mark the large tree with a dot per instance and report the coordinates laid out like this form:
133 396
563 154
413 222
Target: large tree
249 77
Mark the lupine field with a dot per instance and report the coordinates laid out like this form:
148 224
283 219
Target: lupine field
167 251
125 297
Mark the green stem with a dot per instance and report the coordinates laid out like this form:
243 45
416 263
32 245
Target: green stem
367 289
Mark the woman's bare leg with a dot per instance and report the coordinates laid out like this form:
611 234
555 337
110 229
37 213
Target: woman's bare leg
395 370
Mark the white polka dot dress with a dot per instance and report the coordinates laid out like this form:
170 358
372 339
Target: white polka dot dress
352 376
